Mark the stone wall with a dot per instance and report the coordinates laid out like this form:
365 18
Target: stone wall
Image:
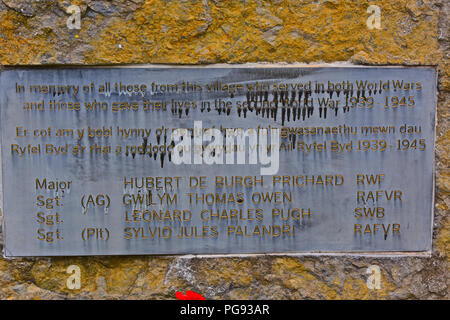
413 32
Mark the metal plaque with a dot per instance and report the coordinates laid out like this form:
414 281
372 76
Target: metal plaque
214 160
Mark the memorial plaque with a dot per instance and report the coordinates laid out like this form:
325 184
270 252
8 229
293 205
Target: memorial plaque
213 160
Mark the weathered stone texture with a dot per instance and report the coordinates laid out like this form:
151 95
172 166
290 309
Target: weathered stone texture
413 32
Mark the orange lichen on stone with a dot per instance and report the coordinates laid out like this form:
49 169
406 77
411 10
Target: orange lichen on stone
251 31
17 49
